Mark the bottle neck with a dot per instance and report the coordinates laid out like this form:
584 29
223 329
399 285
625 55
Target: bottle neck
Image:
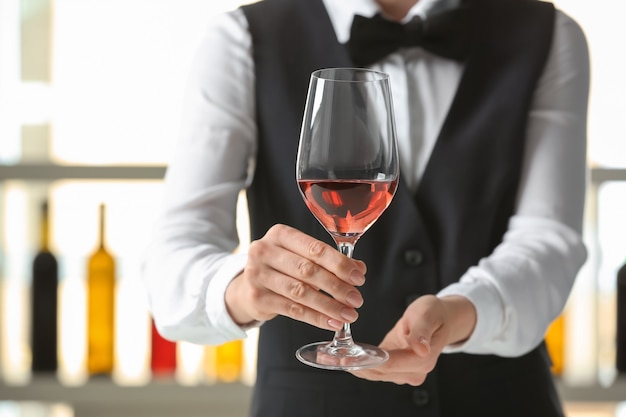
44 233
102 216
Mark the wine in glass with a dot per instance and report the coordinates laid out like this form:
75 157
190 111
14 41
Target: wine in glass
347 172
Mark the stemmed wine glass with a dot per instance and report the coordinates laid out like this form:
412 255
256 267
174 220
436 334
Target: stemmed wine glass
347 172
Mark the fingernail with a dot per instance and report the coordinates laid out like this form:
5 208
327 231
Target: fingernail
335 324
425 343
354 299
357 278
349 315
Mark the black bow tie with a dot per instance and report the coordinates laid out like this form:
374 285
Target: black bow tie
444 34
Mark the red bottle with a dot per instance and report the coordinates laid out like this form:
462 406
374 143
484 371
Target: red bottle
163 359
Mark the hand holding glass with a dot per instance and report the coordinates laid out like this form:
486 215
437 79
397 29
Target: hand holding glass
347 171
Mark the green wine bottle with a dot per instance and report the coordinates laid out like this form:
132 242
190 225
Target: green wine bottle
621 320
44 302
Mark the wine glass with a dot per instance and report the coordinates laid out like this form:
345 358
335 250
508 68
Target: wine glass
347 172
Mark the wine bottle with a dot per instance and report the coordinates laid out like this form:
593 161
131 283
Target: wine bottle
100 306
229 361
163 355
555 341
621 320
208 364
44 302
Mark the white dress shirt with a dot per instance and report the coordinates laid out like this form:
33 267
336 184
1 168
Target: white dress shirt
517 290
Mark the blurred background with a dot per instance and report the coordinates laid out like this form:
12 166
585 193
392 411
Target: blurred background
90 94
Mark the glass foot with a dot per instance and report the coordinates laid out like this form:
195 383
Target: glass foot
327 355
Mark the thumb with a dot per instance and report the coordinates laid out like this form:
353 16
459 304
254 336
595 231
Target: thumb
422 320
419 340
422 346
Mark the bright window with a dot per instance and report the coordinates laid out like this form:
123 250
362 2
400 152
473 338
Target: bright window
602 23
118 69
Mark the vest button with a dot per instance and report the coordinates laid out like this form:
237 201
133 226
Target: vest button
420 397
413 257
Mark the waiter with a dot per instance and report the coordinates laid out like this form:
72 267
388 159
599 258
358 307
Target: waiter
460 277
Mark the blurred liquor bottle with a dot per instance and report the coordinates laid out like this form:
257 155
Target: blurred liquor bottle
208 365
621 321
555 341
163 355
44 302
224 363
101 306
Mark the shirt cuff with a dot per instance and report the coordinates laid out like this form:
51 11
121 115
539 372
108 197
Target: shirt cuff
216 310
489 314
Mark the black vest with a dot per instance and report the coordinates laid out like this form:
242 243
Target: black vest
424 241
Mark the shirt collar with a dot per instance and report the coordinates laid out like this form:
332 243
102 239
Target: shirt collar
342 12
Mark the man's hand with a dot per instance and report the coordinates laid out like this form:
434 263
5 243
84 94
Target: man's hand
416 341
285 272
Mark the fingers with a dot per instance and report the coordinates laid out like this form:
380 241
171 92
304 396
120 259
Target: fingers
346 269
320 271
419 339
422 319
413 344
404 366
285 272
300 301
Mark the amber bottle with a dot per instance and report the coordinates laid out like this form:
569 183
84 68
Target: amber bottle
101 306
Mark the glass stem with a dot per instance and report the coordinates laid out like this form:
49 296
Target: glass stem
343 337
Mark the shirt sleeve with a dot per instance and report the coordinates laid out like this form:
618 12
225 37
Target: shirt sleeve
191 258
524 284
